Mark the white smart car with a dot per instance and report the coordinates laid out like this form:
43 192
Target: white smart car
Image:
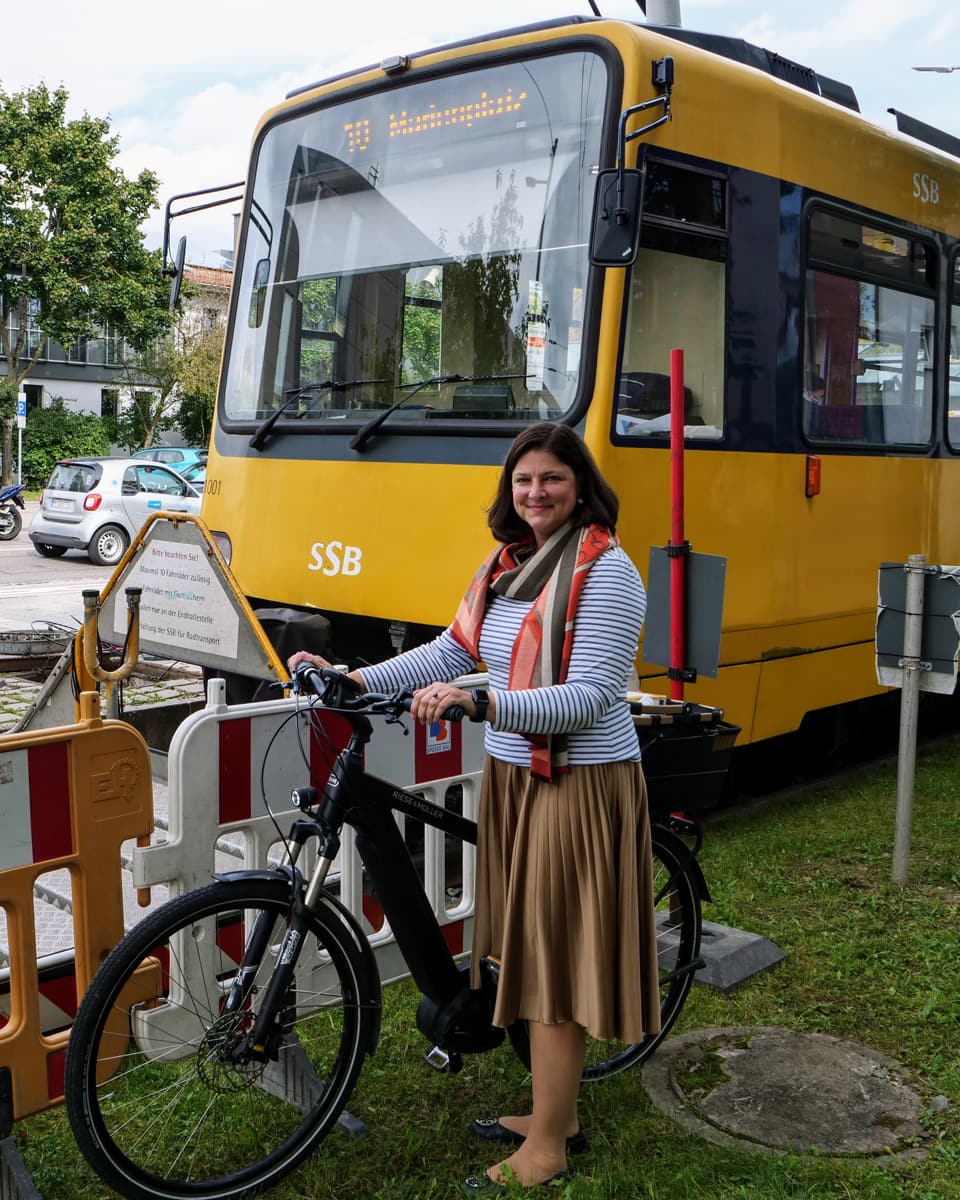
100 504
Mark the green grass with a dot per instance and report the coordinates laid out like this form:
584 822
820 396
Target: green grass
866 959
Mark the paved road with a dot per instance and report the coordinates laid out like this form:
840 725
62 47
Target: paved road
35 589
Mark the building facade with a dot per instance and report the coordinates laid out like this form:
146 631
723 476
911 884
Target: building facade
89 375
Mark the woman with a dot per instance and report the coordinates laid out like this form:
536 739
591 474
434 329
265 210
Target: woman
564 893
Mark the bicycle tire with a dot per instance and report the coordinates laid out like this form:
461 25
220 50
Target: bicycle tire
172 1114
679 928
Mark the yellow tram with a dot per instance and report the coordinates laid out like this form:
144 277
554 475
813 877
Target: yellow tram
414 283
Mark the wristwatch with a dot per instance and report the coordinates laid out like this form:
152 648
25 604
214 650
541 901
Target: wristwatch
481 701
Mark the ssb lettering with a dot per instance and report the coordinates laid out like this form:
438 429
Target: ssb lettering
334 558
926 189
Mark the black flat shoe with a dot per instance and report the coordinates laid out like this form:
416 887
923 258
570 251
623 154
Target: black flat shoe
483 1185
490 1129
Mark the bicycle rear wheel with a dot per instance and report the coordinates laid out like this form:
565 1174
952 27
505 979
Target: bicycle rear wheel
164 1098
679 925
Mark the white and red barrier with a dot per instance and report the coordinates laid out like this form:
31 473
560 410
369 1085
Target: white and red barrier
225 762
69 798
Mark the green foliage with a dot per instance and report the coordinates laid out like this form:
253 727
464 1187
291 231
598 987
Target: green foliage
318 353
70 224
71 252
422 309
865 959
55 433
171 382
8 399
198 379
149 378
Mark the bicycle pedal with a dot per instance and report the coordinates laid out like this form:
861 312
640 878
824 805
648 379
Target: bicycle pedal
442 1060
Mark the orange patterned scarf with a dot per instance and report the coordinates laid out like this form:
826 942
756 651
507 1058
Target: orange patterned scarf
552 578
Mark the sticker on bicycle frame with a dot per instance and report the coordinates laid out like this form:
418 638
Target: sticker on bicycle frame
438 750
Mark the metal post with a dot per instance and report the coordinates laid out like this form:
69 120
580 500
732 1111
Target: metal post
678 562
916 569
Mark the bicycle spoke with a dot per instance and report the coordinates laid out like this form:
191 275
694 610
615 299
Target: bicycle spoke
176 1070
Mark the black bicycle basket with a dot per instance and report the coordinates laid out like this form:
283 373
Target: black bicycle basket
686 750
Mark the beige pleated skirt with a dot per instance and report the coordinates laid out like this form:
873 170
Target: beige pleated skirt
565 898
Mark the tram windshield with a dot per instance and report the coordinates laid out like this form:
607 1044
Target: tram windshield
431 240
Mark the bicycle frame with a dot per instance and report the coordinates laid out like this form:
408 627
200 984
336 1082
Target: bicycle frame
451 1015
367 804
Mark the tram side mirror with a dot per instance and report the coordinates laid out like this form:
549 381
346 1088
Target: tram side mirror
258 294
615 235
176 273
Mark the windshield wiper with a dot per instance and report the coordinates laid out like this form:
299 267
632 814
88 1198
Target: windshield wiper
366 433
262 432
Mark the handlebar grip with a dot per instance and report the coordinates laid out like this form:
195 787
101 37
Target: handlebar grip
308 678
456 712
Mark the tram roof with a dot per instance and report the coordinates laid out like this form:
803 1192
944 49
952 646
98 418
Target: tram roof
732 48
735 49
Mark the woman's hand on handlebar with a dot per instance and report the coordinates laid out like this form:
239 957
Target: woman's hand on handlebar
317 660
434 702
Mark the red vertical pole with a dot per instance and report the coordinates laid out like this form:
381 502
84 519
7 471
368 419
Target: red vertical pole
678 560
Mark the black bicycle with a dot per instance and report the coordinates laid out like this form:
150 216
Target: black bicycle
221 1039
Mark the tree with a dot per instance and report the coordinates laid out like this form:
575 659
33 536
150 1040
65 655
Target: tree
199 375
72 257
173 381
150 379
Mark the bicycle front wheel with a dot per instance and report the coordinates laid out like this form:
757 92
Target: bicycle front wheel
679 924
166 1097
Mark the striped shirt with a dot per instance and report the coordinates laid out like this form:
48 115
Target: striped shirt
589 705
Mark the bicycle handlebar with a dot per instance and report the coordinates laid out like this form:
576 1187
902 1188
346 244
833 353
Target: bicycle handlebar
336 690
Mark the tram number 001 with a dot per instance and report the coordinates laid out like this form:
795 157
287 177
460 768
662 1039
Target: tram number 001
926 189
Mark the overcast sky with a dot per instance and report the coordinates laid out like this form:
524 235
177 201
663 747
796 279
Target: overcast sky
184 82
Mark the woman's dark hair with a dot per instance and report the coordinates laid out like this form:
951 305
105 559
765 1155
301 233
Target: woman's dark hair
597 501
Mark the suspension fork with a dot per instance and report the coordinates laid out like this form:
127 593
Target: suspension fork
327 824
301 905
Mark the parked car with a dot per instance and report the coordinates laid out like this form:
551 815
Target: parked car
100 504
177 457
197 474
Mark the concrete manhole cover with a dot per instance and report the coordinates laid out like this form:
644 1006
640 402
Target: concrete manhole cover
786 1092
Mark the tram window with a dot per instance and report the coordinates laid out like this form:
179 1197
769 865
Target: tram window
868 363
689 197
456 249
872 252
953 364
675 299
868 367
319 336
422 317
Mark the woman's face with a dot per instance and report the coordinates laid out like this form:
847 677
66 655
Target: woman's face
544 492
